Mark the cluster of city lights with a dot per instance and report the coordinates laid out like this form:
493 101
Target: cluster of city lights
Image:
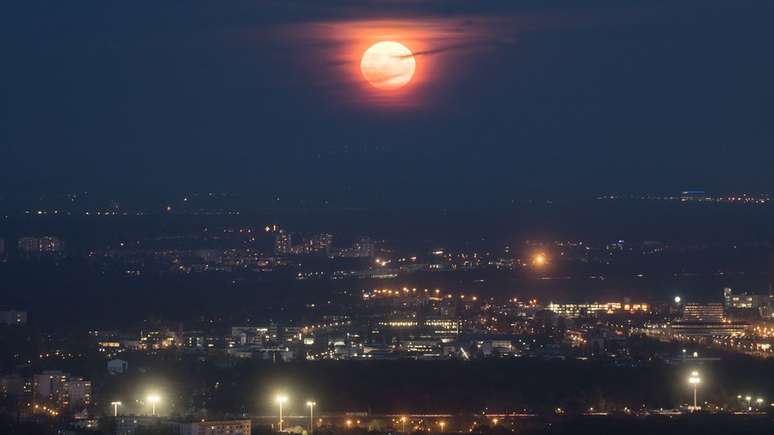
748 399
282 399
405 291
153 399
45 409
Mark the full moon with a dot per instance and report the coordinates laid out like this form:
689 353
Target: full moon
388 65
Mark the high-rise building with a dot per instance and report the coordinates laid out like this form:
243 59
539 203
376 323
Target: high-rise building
77 393
48 385
61 389
283 244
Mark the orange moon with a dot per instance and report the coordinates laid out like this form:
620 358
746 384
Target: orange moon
388 65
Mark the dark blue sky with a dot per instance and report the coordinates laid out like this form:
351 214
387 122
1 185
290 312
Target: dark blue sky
528 98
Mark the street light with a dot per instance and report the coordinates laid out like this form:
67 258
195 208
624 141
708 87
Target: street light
403 420
281 399
153 399
311 405
115 408
748 399
694 380
442 424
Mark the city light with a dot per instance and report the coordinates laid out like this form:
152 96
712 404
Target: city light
678 299
153 399
311 404
694 380
115 406
539 259
281 399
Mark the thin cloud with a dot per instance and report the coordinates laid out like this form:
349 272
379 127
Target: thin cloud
464 46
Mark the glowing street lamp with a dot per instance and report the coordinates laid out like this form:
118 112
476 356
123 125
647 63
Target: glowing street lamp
442 424
281 399
311 405
694 380
539 259
153 399
678 299
115 408
403 420
748 399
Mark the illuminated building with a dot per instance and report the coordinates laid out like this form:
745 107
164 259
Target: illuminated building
398 323
422 347
46 386
702 328
496 347
364 247
595 308
228 427
259 335
40 245
321 243
13 317
77 392
283 244
157 339
706 320
194 339
693 195
741 301
61 389
131 425
442 326
711 312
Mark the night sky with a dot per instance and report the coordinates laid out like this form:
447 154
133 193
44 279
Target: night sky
511 99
